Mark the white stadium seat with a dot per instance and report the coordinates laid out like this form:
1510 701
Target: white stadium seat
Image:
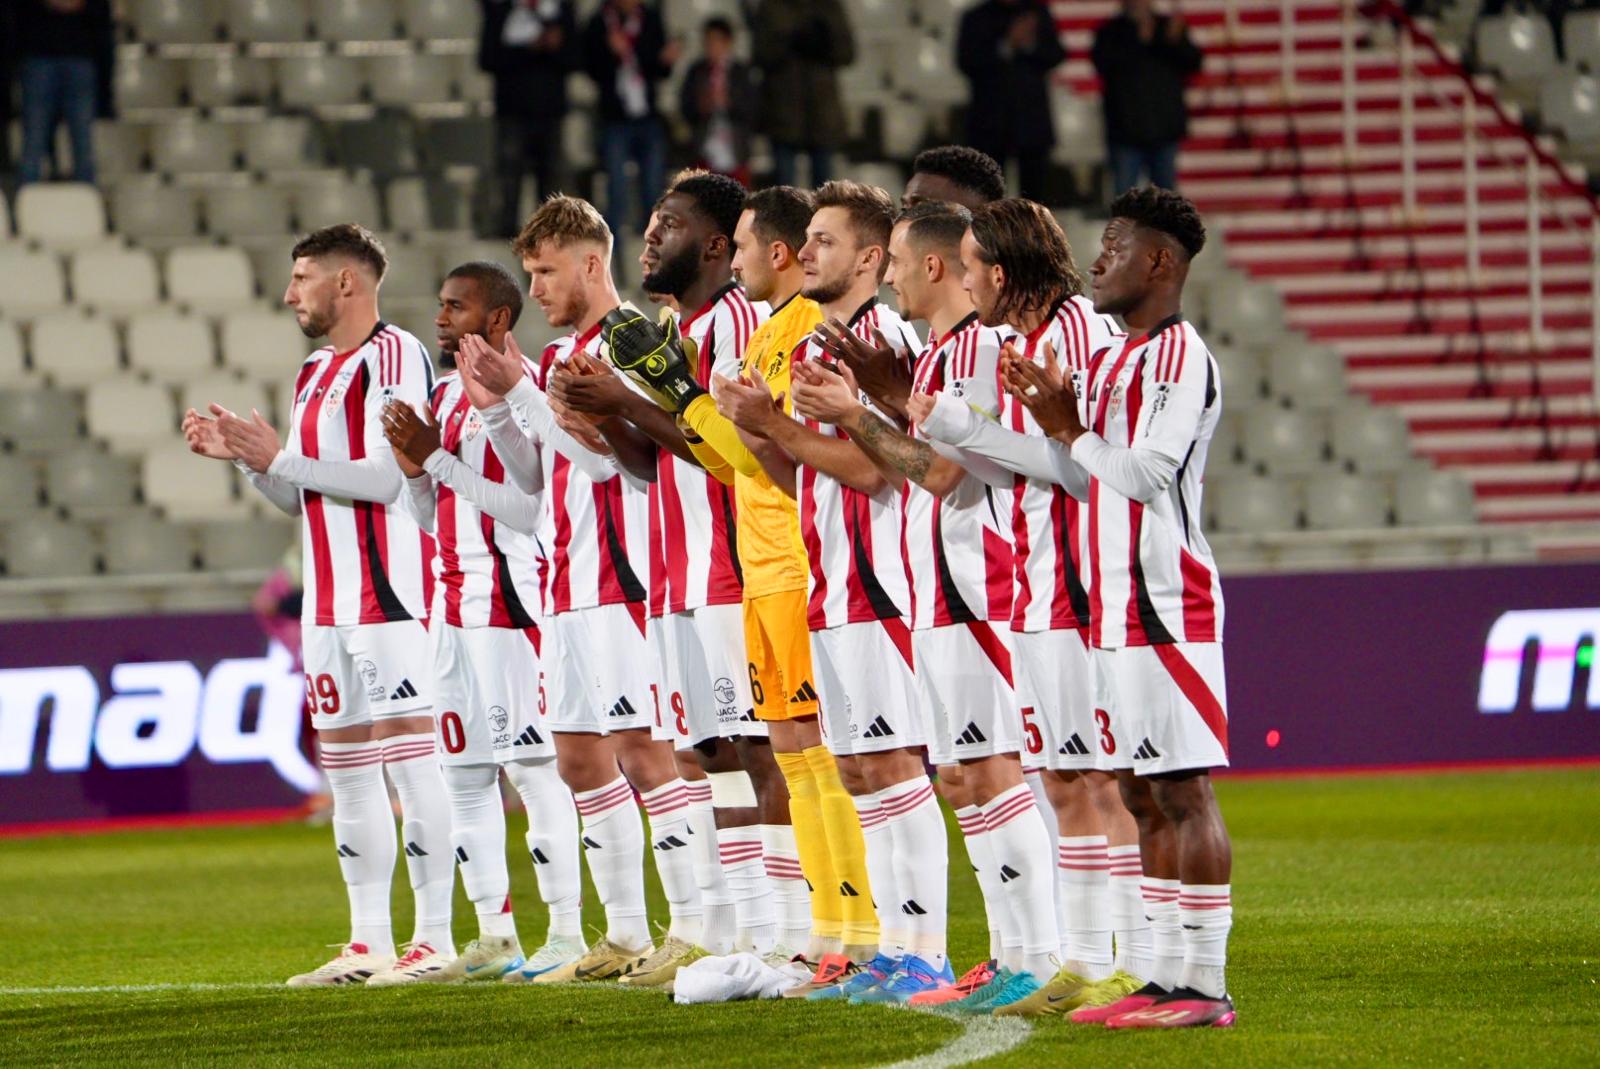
1520 47
1371 438
61 214
1286 441
267 21
47 548
75 351
115 280
146 208
119 148
316 81
430 19
354 20
130 414
186 486
413 272
36 420
143 545
267 346
322 203
171 347
172 22
248 209
410 78
1342 502
229 79
1245 311
88 481
193 146
208 278
144 81
1242 377
1569 103
21 480
230 545
13 365
31 283
1580 36
1310 376
1255 503
279 143
229 391
1433 499
1080 133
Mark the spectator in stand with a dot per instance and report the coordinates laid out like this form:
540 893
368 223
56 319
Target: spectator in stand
800 47
1007 49
528 47
1144 59
59 43
718 102
626 52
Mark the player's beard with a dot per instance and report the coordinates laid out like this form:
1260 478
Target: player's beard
316 324
829 291
674 277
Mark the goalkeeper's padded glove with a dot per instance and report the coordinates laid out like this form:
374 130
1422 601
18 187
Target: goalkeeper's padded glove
657 358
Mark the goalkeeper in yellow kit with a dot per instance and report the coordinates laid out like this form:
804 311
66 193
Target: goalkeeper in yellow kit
772 557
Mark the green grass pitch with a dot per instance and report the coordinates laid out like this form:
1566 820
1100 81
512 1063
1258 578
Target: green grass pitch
1385 920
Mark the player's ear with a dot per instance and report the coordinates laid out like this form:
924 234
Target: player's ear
934 264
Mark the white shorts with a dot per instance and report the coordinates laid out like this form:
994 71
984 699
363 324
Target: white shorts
969 707
867 693
364 672
706 692
486 685
1167 706
598 670
1055 688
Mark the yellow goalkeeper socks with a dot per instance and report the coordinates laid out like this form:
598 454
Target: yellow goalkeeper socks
811 841
847 849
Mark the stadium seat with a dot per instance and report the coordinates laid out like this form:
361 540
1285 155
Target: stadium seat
926 70
410 78
1345 502
88 481
148 209
36 419
228 79
384 146
1080 136
248 209
267 21
1243 382
457 142
1373 439
115 280
170 347
905 130
119 148
577 140
1255 503
31 283
130 414
1083 237
13 367
316 80
355 20
143 545
413 273
281 143
1433 499
1309 376
143 81
434 19
193 146
1285 441
416 316
172 22
1244 311
208 278
475 86
75 351
322 203
42 547
267 346
186 486
61 214
21 480
242 545
1569 103
1580 38
5 220
1518 46
1225 452
229 391
407 205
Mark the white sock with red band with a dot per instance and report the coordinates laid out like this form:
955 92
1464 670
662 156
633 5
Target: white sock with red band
613 842
1005 935
879 841
720 925
1135 951
668 809
1023 851
1166 930
781 857
755 906
921 865
1083 879
1206 911
425 829
363 834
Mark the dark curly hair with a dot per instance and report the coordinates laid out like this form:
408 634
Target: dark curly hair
716 196
344 239
1026 241
1165 211
966 167
499 289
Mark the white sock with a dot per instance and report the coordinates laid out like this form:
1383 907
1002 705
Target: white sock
1023 851
1084 920
792 896
921 865
1052 825
892 938
1135 953
425 829
363 833
1166 931
1005 936
552 842
720 926
670 842
755 907
613 842
1206 910
478 833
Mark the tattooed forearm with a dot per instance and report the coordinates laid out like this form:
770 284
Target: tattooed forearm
897 449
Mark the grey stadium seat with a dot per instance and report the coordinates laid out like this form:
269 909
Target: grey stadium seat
173 22
429 19
186 486
240 545
1311 376
1519 47
267 21
1580 36
129 414
47 548
413 272
115 280
229 79
410 78
75 351
1243 381
281 143
455 142
1569 102
193 146
13 366
385 145
1343 502
143 545
21 480
61 214
248 209
210 279
229 391
322 203
31 283
1248 312
36 420
87 481
314 81
1286 441
171 347
267 346
146 208
1079 128
143 81
355 20
1434 499
1255 503
119 148
1371 438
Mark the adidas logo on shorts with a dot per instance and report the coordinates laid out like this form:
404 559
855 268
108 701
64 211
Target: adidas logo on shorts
529 737
971 736
1146 752
404 690
806 693
1074 745
878 729
623 708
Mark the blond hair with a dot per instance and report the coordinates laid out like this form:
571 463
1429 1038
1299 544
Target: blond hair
562 221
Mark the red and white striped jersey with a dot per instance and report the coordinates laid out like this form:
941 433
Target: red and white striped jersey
1152 576
691 512
487 574
365 562
1047 531
958 550
854 540
596 535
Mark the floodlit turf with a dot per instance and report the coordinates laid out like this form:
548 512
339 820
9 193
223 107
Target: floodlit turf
1379 921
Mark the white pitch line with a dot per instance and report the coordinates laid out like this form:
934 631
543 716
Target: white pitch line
132 989
980 1038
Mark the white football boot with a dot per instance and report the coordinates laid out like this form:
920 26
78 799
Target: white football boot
352 966
420 964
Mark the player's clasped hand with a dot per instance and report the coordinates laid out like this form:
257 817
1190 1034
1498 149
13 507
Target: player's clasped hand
494 371
204 437
919 406
1047 393
589 387
877 369
748 403
251 440
413 437
827 394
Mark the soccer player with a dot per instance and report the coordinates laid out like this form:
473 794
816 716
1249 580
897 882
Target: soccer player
860 644
688 259
954 174
1020 272
1137 449
365 644
598 664
485 644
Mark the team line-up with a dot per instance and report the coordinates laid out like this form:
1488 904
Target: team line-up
756 565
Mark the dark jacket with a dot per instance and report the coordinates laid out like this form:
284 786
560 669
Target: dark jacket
693 97
1010 106
530 81
602 64
81 34
1143 82
799 47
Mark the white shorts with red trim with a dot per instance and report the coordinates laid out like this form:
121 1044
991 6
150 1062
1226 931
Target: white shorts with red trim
598 670
864 683
969 709
359 673
487 706
706 689
1061 728
1167 705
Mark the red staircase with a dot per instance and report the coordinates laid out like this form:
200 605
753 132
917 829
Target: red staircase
1486 392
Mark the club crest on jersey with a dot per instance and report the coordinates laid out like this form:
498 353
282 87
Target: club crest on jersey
499 718
369 676
723 690
473 427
